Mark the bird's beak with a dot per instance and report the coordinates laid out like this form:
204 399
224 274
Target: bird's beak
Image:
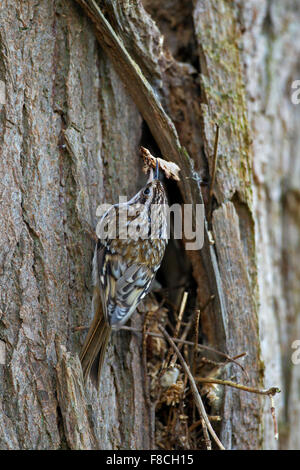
150 177
156 171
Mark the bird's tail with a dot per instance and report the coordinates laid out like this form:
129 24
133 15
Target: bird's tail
95 345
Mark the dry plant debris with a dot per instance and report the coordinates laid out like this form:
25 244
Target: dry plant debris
170 169
177 377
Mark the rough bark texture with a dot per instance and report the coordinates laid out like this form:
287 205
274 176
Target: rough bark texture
69 137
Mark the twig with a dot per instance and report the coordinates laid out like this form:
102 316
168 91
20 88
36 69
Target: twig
181 311
194 389
206 435
213 176
205 360
271 391
274 417
185 332
195 349
81 328
215 156
194 425
197 318
189 343
178 324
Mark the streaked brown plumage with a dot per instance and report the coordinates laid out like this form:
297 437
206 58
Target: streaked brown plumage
123 269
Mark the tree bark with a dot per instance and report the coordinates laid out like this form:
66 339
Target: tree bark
81 96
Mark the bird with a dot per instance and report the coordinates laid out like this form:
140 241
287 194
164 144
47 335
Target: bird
124 266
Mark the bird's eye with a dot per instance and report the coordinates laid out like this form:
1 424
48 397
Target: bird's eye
147 191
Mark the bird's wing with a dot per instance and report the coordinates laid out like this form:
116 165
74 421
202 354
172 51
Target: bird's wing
122 286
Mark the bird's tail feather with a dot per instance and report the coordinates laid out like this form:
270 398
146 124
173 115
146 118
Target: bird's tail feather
95 345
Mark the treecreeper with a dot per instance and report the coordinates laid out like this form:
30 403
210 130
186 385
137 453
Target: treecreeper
129 251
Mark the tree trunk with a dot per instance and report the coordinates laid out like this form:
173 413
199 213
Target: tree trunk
81 96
